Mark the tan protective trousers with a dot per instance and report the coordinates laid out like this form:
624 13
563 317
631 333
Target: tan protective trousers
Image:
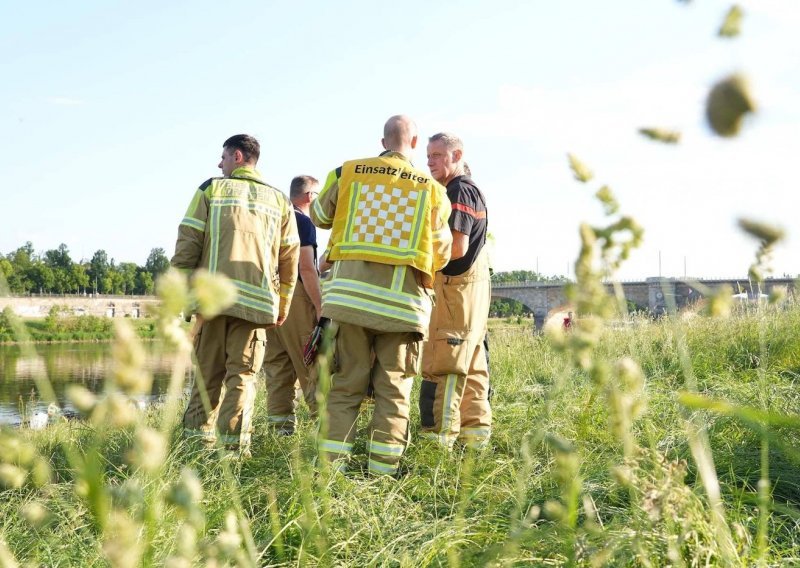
454 395
392 371
229 353
284 367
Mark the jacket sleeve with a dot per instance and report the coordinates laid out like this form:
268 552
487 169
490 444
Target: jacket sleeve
191 233
288 259
324 207
442 238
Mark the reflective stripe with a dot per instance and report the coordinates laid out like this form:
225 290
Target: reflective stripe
355 190
398 278
335 446
369 306
348 285
259 306
214 230
476 432
444 439
290 240
378 467
320 214
194 223
449 392
383 449
243 202
379 250
423 197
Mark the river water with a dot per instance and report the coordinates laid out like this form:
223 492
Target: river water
63 364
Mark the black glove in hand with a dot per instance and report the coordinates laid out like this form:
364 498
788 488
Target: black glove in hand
314 341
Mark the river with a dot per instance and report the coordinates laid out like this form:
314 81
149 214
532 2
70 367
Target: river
64 364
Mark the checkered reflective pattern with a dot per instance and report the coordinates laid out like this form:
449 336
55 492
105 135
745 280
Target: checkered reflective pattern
384 216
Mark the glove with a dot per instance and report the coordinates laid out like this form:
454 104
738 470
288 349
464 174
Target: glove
314 341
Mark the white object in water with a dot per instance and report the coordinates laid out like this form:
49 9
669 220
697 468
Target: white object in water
38 421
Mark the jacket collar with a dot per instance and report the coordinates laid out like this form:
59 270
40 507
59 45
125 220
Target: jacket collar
393 154
247 173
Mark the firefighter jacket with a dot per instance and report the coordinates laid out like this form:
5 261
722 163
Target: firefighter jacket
245 229
389 237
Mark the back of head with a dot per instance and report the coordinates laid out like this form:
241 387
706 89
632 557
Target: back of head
400 133
301 185
247 145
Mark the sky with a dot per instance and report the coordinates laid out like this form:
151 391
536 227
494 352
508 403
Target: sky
112 113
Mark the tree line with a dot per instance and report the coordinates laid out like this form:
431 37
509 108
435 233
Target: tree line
54 272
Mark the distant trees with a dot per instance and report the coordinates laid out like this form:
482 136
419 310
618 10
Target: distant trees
54 271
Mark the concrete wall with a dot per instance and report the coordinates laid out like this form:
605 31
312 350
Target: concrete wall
109 306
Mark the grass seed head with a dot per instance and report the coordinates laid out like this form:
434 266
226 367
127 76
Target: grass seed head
727 104
129 372
149 450
36 514
81 398
121 542
732 24
173 291
661 135
11 476
720 302
581 172
777 295
213 292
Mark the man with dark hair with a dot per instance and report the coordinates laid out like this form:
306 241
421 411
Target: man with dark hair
284 364
389 237
454 395
240 227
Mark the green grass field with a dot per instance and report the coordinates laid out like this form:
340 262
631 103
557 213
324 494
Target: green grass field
578 472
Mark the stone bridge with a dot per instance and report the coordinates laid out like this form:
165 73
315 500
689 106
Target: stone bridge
656 295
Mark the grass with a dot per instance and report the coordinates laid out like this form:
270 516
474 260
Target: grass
38 330
558 485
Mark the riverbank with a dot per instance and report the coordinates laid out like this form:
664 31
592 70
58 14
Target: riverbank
77 329
578 471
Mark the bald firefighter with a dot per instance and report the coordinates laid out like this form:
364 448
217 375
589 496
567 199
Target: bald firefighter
239 226
454 395
389 236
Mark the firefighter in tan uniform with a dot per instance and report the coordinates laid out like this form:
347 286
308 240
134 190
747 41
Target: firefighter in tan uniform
284 365
389 236
239 226
454 395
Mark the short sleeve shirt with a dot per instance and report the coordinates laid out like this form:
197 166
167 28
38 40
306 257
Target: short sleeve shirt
306 231
468 216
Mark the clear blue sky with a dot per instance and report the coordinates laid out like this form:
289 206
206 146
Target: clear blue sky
113 113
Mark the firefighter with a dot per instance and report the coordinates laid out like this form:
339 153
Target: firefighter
240 227
389 236
454 395
284 365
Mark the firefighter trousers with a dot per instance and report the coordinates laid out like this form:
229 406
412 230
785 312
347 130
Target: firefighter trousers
454 395
284 366
391 371
229 353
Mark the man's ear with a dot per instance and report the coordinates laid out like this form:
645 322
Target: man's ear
238 157
383 143
457 155
413 142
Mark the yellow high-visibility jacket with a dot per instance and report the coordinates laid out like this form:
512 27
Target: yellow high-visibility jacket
389 237
245 229
385 210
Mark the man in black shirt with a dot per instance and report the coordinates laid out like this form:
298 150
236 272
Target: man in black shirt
454 398
283 364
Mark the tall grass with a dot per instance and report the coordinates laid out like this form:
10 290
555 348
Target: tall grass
557 485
